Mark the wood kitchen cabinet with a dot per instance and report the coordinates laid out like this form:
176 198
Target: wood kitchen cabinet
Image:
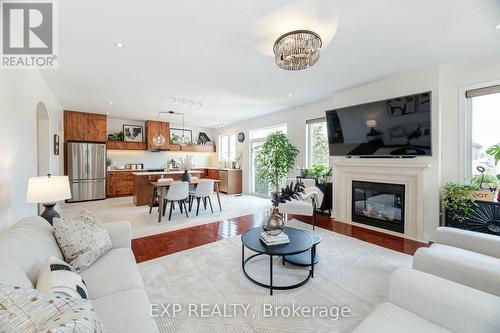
230 179
153 128
83 126
119 183
126 145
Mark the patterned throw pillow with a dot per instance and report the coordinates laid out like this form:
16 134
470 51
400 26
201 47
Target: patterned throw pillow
82 241
58 276
30 310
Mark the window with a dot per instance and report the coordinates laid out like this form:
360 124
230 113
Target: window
227 147
317 142
257 138
484 104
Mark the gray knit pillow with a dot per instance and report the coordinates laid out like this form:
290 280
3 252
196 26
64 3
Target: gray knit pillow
82 241
30 310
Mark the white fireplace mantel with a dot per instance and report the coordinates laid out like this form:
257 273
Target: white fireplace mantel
404 172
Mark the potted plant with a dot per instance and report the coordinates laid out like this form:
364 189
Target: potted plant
275 159
458 203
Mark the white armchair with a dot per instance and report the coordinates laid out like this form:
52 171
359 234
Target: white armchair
310 200
466 257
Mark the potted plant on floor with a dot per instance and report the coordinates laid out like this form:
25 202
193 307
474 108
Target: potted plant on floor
458 203
275 160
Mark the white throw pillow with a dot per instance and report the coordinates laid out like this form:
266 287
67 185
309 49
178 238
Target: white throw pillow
31 310
82 241
58 276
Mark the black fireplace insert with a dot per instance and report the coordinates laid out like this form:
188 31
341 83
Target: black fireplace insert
380 205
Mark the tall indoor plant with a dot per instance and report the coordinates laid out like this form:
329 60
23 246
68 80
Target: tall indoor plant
275 159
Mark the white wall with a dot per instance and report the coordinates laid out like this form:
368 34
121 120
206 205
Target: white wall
20 92
453 77
157 160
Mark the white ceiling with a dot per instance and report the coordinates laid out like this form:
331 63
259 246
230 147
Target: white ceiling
219 52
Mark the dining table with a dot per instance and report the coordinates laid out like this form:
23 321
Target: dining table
160 186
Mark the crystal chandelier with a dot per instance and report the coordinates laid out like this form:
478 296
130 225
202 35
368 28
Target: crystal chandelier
297 50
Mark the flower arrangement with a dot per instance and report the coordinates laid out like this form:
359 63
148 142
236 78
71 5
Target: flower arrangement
186 163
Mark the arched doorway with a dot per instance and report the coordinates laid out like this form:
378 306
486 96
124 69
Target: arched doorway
42 140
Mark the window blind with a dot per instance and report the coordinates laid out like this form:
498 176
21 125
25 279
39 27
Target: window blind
482 91
316 120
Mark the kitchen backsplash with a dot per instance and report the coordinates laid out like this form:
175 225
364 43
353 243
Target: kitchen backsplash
158 160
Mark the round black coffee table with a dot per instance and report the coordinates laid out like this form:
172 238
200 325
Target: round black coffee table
300 241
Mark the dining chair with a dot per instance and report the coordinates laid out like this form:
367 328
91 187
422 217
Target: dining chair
177 192
203 192
155 198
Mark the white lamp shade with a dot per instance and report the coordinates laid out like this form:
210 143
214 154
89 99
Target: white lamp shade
48 189
371 123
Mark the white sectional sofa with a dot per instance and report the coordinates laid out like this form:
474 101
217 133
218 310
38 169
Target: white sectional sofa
421 302
114 283
466 257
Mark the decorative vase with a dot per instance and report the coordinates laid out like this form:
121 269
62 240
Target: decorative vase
186 176
273 223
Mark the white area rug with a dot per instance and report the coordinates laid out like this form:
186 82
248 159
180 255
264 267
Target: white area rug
350 273
145 224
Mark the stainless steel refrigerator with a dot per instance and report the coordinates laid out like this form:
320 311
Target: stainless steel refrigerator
87 171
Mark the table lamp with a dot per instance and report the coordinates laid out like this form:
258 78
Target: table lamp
47 191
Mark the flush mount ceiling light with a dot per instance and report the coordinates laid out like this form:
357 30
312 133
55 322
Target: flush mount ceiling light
297 50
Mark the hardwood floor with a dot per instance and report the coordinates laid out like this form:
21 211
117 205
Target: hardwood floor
150 247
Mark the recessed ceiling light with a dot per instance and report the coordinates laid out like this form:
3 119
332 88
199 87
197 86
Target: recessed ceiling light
290 95
119 45
110 103
497 26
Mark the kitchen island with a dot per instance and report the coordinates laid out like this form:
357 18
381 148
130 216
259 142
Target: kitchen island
143 190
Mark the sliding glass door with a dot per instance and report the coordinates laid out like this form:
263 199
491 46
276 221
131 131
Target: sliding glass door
258 137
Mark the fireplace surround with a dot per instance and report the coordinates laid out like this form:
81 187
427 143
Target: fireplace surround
380 205
409 173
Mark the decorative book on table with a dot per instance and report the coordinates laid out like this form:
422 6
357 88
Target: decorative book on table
267 239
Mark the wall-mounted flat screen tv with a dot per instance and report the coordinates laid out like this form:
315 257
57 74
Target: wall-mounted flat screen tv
394 127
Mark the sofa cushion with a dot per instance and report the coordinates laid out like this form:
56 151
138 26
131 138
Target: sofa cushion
29 242
82 240
114 272
30 310
126 312
390 318
11 273
472 269
58 277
